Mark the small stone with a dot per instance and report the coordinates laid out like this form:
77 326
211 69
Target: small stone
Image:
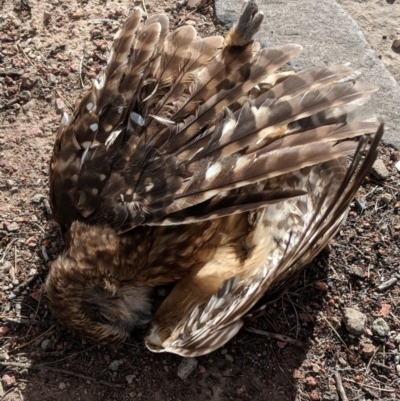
330 396
202 369
296 374
38 198
315 395
4 330
396 43
8 381
321 286
386 198
114 365
129 378
354 321
357 271
9 184
310 381
13 227
368 350
13 190
62 386
4 356
195 3
6 266
46 17
380 328
28 81
27 106
229 358
379 170
46 345
397 166
186 367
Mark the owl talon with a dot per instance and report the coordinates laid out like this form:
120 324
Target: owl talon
248 25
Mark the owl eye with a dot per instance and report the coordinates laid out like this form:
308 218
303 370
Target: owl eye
144 317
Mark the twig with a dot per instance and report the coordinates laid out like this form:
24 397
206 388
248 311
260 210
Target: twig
8 392
276 336
339 387
381 365
10 72
367 385
145 9
337 334
19 320
7 250
81 64
296 314
387 284
62 371
35 339
67 103
29 60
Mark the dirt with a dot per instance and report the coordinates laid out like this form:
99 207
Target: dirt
50 50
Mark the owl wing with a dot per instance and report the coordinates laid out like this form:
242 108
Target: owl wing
289 236
174 124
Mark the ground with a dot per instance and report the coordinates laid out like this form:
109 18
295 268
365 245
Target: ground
50 50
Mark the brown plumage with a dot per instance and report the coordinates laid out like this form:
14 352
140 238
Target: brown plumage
191 161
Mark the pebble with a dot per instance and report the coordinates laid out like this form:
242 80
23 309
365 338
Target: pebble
6 266
397 166
357 271
62 386
396 43
315 395
229 357
129 378
195 4
354 321
330 396
368 350
27 106
8 381
4 330
46 17
186 367
4 356
386 198
46 345
310 381
380 328
114 365
379 170
28 81
37 198
12 227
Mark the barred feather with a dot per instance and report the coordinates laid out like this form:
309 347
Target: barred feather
193 161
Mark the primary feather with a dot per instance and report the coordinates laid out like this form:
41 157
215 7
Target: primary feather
193 161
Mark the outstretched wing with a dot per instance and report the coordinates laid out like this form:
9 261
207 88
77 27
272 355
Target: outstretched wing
289 236
174 121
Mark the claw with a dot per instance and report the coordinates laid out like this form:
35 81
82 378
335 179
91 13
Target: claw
248 25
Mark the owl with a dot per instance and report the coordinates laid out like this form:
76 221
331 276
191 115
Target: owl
196 162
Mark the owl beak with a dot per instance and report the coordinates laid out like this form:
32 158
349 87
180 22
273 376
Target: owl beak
144 317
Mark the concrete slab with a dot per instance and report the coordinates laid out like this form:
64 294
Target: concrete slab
329 36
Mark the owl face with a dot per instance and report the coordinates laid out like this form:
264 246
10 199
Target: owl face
98 307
